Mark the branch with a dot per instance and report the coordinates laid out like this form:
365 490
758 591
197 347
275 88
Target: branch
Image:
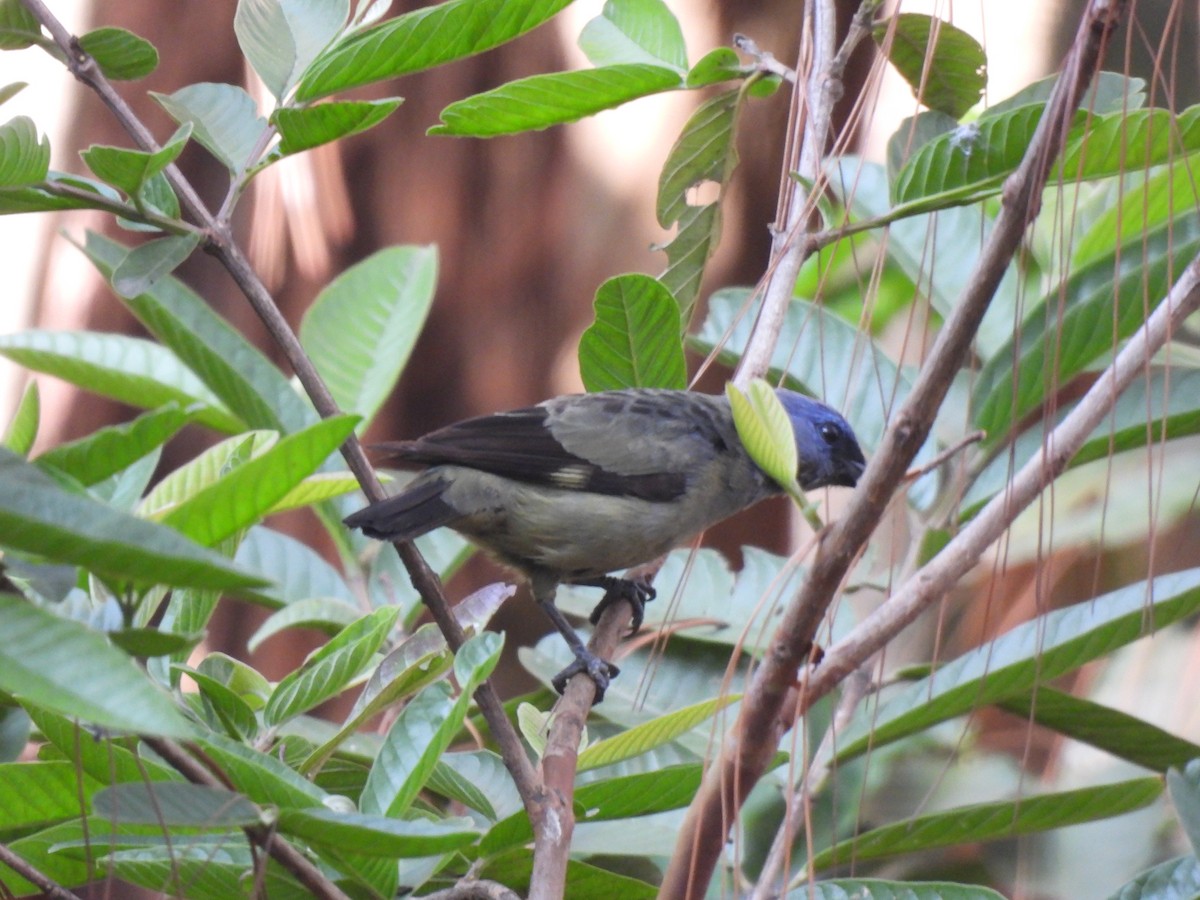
221 244
281 851
961 554
47 885
552 843
762 720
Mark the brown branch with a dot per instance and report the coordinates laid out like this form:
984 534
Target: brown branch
552 842
45 883
961 554
279 850
219 242
762 720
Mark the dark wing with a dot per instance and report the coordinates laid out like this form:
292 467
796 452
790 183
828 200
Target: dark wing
624 443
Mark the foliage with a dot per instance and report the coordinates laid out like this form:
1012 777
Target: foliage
108 583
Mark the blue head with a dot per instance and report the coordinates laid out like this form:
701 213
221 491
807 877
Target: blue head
828 451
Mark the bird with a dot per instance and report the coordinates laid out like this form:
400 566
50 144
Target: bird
584 485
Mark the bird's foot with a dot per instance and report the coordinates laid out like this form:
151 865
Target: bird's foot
601 672
637 592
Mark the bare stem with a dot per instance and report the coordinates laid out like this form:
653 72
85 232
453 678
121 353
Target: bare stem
48 885
552 842
763 719
279 850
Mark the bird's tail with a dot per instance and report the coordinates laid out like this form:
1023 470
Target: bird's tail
417 509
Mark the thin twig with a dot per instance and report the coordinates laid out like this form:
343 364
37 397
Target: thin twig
762 719
219 242
921 471
774 871
279 850
45 883
788 251
763 59
957 558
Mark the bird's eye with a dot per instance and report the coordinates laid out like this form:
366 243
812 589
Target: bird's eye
831 433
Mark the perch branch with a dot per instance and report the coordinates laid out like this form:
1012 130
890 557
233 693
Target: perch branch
762 720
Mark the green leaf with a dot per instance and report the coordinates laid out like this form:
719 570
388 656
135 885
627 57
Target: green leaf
209 467
145 643
23 158
766 432
644 793
18 26
129 170
584 882
173 803
64 667
231 367
212 869
320 613
704 152
1165 197
224 709
650 735
1078 322
305 128
1163 404
955 237
314 489
245 494
945 66
537 102
634 31
262 777
107 451
132 370
478 780
36 794
716 66
101 757
8 91
419 660
634 341
1110 92
688 252
39 199
420 40
22 428
296 571
970 162
993 821
281 38
361 328
424 729
1030 654
878 889
1111 730
121 54
1184 785
224 119
1175 878
37 516
149 262
376 835
331 668
1122 141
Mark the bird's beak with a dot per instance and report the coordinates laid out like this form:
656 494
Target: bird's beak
851 471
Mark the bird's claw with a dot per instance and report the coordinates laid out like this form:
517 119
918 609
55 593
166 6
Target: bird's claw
601 672
638 593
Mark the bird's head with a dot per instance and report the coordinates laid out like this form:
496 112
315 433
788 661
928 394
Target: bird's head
828 451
